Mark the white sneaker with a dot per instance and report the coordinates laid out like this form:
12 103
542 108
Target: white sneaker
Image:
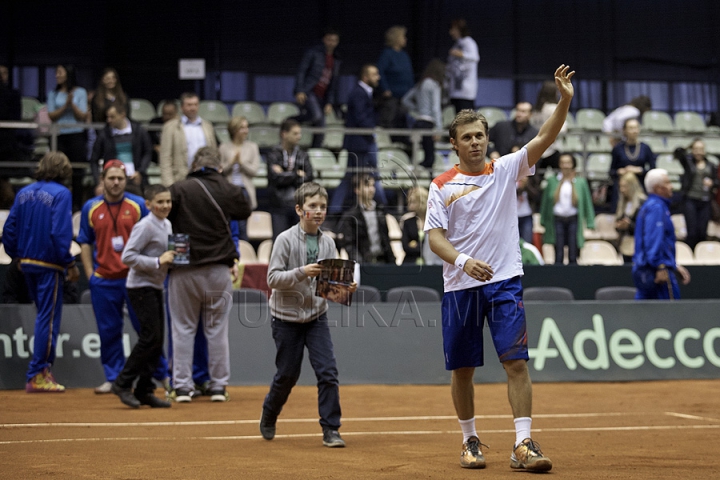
104 388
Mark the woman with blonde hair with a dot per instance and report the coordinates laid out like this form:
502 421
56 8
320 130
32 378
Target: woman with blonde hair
630 200
240 162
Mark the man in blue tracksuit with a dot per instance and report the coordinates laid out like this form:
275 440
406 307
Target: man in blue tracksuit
105 227
654 268
38 231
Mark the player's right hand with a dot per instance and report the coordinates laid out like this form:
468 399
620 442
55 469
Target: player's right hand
479 270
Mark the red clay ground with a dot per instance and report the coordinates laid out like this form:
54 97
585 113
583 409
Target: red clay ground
642 430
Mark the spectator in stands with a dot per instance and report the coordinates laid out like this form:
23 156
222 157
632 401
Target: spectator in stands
424 101
362 148
105 227
631 155
414 241
109 92
182 138
461 73
10 110
528 198
288 168
614 123
363 230
516 132
545 105
168 112
566 210
316 82
38 231
201 207
654 269
240 163
630 200
396 78
699 185
127 141
67 103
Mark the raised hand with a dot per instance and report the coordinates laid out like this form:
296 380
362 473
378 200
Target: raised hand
563 81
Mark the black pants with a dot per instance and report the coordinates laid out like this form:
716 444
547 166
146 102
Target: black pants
74 145
697 217
428 144
462 104
143 361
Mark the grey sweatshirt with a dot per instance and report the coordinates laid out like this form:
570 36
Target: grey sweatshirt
293 293
148 240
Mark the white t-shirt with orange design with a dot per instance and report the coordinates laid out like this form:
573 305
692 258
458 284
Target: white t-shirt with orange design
479 213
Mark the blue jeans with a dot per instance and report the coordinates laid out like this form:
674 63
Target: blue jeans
291 338
525 224
313 112
366 161
566 234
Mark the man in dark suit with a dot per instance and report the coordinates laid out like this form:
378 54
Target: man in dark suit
362 148
127 141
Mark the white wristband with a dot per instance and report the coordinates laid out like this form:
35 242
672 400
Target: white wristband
461 260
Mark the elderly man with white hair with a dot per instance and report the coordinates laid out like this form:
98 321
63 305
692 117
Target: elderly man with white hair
654 269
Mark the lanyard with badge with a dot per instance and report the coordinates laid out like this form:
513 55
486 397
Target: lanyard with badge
117 240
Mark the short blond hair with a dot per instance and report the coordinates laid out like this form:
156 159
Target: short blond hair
234 125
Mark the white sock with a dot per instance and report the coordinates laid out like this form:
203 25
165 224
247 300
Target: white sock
468 428
522 429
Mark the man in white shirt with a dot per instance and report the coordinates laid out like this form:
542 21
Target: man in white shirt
181 138
472 225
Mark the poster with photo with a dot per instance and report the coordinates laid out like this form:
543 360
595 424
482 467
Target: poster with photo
335 280
180 243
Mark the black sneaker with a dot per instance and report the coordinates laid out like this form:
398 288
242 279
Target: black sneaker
182 396
332 439
267 425
219 395
126 395
152 401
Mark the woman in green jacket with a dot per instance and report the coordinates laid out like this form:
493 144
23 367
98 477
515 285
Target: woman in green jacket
566 209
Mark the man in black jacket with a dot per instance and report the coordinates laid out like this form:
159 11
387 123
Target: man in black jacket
363 230
288 168
202 206
127 141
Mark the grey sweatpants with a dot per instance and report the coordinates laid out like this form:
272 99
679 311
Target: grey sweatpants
200 294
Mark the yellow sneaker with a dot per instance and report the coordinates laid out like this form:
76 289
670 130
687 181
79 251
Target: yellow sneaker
44 382
528 456
471 455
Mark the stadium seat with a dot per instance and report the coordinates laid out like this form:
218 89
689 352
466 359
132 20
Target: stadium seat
253 111
76 223
707 253
615 293
655 142
279 111
590 119
259 225
689 122
548 253
712 145
214 111
599 252
598 166
30 107
548 294
264 136
332 118
572 143
413 292
248 295
599 143
333 139
366 294
656 121
325 167
247 252
678 221
684 254
493 115
264 250
222 134
605 226
141 110
674 142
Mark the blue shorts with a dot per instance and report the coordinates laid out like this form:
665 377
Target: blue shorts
463 317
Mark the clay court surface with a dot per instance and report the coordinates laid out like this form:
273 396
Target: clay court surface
643 430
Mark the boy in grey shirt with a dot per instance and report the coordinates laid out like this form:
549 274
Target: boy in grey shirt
147 256
299 318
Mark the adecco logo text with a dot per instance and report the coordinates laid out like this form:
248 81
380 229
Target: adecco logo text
625 347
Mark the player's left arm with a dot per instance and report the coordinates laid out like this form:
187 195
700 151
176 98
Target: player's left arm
551 128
